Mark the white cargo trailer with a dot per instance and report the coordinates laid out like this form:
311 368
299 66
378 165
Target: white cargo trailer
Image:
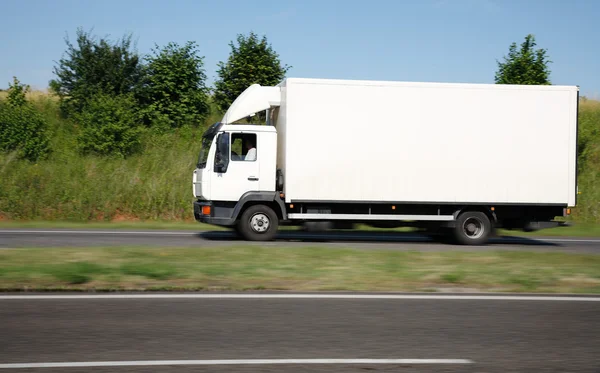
453 158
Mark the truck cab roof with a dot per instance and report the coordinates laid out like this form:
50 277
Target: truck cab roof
248 128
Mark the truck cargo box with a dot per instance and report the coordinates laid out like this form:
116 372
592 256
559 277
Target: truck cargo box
343 140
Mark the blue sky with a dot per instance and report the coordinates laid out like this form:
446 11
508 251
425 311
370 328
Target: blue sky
411 40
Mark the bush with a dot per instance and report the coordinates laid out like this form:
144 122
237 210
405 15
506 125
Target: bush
17 93
110 126
22 128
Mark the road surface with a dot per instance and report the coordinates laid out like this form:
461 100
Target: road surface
426 333
15 238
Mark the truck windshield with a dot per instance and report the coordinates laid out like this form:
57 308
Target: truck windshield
207 139
203 157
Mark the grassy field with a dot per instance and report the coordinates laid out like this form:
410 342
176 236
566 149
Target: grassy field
156 186
299 269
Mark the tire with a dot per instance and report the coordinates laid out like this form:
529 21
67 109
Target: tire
258 223
472 228
236 230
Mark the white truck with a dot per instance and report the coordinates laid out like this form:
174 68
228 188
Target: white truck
461 159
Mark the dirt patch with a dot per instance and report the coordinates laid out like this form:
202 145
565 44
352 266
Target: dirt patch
119 217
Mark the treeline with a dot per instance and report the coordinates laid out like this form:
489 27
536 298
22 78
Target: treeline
113 94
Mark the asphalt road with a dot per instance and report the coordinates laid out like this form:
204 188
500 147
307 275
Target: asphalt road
468 335
16 238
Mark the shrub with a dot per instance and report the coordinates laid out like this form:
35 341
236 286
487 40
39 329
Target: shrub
17 93
22 128
110 126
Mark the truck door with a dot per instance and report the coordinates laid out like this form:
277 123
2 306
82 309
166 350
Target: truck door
237 167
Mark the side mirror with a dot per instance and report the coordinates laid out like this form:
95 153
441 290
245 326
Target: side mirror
222 154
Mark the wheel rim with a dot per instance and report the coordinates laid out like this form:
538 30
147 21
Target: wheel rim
473 228
260 223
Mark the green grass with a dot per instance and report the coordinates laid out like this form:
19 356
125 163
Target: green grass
453 277
156 271
576 230
296 269
76 272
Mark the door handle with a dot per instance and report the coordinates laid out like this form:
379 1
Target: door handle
253 178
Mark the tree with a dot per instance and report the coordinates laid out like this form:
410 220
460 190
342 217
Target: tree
22 128
524 66
251 61
173 88
94 66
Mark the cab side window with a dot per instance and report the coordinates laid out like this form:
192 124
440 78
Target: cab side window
243 147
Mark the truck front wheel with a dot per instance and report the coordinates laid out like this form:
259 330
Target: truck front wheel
472 228
258 223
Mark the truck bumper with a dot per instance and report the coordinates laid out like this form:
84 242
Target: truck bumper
207 212
226 213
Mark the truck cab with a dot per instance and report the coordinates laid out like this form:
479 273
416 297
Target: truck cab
236 170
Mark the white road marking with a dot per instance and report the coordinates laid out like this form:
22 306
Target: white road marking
230 362
302 296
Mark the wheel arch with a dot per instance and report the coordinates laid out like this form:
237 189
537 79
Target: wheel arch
487 210
260 198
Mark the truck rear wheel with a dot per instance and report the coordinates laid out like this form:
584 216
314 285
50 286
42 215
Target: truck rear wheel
472 228
258 223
